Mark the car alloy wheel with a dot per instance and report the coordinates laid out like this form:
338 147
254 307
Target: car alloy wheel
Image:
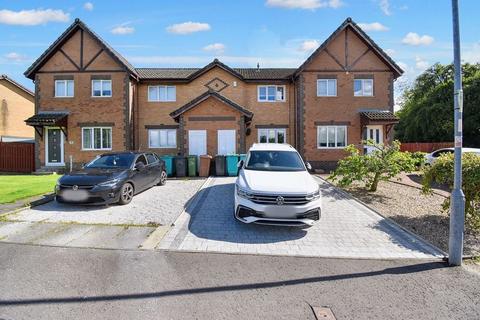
126 193
163 178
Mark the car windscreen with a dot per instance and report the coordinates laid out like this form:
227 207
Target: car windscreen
112 161
275 161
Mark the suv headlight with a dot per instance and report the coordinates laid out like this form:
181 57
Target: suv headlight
243 193
110 183
313 196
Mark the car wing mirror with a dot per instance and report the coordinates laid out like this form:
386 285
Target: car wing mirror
140 166
309 166
240 164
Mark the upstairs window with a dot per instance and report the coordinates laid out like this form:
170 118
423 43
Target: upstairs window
162 93
271 93
101 88
363 87
326 87
64 88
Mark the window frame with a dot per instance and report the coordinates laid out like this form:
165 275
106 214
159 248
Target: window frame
276 130
327 95
66 88
158 87
92 137
336 134
160 146
266 93
101 88
363 91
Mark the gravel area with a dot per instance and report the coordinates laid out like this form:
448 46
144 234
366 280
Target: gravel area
419 213
159 205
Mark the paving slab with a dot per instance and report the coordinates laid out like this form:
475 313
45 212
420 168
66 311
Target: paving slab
159 205
347 229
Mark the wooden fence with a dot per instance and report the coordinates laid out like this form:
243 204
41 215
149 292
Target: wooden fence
17 157
424 146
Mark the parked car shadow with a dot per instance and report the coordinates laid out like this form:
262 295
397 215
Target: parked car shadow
212 217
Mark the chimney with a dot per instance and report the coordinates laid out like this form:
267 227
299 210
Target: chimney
258 66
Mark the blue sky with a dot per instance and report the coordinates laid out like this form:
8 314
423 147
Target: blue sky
275 33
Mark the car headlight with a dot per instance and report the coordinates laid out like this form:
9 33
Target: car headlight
243 193
313 196
57 185
109 183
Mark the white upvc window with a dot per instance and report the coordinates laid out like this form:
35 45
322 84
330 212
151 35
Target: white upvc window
326 87
64 88
271 93
162 138
272 135
363 87
331 137
97 138
101 88
162 93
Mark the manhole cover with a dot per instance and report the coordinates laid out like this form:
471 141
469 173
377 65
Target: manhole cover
323 313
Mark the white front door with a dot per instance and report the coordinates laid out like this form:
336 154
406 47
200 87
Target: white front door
197 142
54 147
374 133
226 142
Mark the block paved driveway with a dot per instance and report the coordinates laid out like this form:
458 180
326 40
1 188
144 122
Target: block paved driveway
347 229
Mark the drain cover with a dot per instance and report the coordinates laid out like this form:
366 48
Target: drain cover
323 313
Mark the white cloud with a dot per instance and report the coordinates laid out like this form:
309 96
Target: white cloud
472 53
123 29
15 57
421 64
88 6
217 48
305 4
374 26
385 7
188 27
390 52
33 17
308 45
414 39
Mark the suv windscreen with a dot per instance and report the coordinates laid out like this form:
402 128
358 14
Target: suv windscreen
112 161
275 161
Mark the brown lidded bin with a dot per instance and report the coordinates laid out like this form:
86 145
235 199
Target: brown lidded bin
204 170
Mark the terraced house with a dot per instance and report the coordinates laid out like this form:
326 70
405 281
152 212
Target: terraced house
89 100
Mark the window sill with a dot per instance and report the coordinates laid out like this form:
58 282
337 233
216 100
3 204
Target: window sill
101 97
161 101
331 148
64 97
162 147
327 96
96 149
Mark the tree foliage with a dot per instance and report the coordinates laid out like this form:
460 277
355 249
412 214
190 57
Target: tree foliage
442 172
427 107
385 162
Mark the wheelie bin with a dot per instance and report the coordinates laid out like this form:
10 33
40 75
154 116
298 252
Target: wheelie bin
192 166
168 164
232 162
219 165
181 166
204 170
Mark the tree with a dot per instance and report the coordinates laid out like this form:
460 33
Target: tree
427 107
385 162
442 172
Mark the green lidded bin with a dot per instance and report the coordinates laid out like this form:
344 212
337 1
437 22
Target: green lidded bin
192 166
168 164
232 162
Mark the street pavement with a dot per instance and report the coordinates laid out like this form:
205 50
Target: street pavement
40 282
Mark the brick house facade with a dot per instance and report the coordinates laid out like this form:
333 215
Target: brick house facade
90 100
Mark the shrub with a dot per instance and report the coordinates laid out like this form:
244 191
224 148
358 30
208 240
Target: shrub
385 162
442 172
418 158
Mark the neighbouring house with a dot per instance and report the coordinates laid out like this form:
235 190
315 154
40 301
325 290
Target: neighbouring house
16 104
89 100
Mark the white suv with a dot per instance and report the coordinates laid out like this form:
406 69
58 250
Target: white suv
274 187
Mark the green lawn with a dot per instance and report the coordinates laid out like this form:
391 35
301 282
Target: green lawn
17 187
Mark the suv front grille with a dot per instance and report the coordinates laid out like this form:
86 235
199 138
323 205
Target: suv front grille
275 199
70 187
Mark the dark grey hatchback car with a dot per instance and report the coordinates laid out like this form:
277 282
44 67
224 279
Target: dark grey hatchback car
112 177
